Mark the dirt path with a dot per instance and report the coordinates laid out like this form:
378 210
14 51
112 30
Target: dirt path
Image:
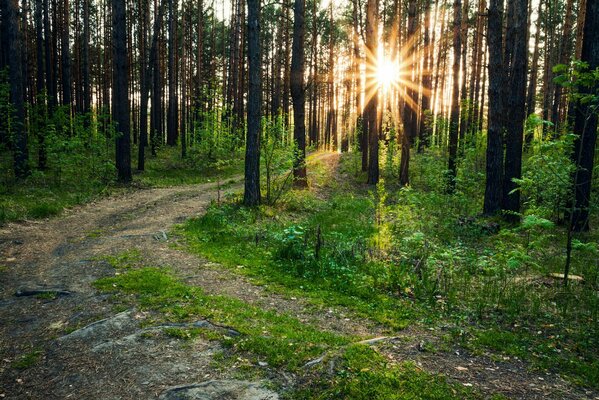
124 356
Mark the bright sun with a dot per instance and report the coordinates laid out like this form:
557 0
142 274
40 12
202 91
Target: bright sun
386 73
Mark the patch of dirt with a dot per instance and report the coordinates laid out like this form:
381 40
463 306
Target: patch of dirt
507 376
122 355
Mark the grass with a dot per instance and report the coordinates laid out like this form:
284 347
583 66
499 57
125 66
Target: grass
363 374
169 169
417 255
279 340
27 360
47 193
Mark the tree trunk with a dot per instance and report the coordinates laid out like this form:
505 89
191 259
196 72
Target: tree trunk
372 37
517 59
455 99
585 124
87 97
409 104
494 166
298 94
120 98
65 57
17 89
172 118
424 129
251 196
144 83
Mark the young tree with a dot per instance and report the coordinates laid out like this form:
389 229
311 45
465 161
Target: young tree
251 196
120 93
298 94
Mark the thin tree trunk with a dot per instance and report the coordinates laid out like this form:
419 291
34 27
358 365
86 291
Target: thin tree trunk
298 94
251 196
372 38
17 89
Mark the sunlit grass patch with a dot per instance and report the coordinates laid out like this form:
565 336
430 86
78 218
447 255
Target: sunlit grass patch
279 339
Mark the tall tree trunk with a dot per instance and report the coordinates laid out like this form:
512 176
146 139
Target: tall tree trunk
565 48
517 59
65 57
532 85
17 89
172 118
145 75
455 96
156 90
120 98
356 60
41 89
298 94
585 124
183 81
372 37
251 195
87 97
494 166
409 103
424 129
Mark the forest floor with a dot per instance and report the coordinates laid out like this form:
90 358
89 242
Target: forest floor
62 336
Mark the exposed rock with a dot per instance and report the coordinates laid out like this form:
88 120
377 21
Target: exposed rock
219 390
101 329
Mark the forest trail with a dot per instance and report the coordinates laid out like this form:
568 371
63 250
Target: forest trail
126 355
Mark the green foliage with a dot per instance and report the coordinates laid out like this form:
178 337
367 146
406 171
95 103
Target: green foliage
276 153
545 183
581 82
415 255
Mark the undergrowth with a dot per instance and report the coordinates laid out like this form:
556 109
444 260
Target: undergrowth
417 255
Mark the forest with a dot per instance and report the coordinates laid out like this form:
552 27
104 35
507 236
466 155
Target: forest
299 199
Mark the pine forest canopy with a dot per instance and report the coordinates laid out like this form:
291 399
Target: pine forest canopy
353 76
332 172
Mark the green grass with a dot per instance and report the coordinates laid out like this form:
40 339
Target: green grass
27 360
169 169
363 374
47 193
279 339
417 255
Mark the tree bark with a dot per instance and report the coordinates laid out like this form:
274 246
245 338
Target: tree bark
517 58
585 124
120 98
251 196
494 164
372 38
298 94
17 90
455 100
